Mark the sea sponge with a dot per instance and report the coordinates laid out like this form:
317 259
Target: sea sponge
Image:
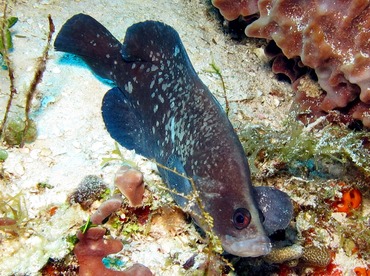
92 247
106 209
131 183
232 9
331 37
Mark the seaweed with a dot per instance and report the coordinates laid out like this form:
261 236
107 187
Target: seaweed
305 148
6 41
217 71
22 127
13 213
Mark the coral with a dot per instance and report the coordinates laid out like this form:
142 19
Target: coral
232 9
316 256
89 190
130 182
281 255
330 37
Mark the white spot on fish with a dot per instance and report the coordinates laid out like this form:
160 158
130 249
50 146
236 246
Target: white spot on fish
177 51
107 56
128 87
173 129
133 66
161 98
152 84
155 109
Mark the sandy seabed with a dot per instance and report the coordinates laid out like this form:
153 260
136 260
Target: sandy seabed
72 140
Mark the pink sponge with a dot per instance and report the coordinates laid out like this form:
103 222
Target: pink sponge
332 37
130 182
232 9
92 247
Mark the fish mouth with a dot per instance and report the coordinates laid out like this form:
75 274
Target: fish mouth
254 247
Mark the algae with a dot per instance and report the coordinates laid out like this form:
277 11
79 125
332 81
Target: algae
21 128
305 149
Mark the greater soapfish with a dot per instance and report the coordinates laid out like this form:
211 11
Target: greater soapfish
161 109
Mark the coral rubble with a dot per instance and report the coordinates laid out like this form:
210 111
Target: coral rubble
330 37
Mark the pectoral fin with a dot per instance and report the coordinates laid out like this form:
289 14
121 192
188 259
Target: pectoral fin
276 208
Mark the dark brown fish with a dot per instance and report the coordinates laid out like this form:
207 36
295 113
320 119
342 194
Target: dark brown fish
162 110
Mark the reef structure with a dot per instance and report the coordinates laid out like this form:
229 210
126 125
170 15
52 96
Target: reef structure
331 37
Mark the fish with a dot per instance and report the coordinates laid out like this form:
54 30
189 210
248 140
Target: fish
160 108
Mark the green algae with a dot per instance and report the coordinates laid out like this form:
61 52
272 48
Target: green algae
27 125
13 210
297 145
16 132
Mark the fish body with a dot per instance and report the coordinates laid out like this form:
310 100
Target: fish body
162 110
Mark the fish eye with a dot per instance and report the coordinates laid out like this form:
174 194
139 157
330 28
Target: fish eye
241 218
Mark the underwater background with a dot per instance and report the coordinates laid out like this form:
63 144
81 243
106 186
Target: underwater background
58 163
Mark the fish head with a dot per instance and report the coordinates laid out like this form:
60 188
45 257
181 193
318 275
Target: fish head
237 220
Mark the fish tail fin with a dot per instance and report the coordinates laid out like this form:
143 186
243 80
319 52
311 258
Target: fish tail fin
82 35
